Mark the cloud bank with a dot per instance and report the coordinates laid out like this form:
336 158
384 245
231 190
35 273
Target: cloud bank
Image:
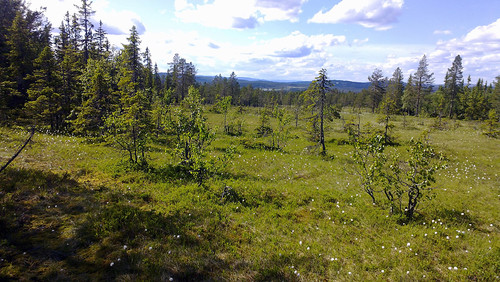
241 14
377 14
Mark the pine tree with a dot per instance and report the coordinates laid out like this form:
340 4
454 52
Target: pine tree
85 12
423 84
132 55
234 88
45 105
75 36
101 42
98 98
495 96
148 75
129 126
409 96
21 55
377 88
453 84
395 90
180 76
315 96
70 64
157 83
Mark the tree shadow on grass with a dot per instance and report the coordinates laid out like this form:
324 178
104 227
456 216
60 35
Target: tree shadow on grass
52 227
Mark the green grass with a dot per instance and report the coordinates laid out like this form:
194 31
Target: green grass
72 210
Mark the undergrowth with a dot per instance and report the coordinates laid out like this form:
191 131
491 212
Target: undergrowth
75 210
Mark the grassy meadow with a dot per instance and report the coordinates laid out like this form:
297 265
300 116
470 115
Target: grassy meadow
72 209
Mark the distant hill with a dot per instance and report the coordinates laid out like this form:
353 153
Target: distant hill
342 85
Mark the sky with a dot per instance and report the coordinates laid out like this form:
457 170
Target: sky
294 39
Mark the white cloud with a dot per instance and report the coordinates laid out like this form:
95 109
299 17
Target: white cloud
295 56
479 49
377 14
486 33
55 9
442 32
239 14
116 22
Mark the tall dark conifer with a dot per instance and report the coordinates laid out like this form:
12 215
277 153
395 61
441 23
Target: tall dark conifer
85 13
423 83
45 105
315 97
454 84
377 88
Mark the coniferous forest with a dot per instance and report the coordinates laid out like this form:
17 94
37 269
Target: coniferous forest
113 170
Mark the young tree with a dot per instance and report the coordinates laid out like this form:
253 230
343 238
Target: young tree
491 124
223 106
413 177
423 81
370 160
400 179
453 85
193 136
315 96
280 135
130 125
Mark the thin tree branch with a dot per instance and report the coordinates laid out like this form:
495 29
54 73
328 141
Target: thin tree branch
20 149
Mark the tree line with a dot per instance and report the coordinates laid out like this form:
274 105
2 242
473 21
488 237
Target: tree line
75 81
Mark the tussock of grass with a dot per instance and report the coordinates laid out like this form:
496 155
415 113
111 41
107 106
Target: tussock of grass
74 210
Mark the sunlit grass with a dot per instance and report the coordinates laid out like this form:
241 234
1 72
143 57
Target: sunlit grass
291 215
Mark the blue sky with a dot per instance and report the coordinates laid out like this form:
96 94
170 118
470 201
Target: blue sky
293 39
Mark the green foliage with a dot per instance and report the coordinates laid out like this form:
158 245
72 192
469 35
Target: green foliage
264 129
492 125
388 109
287 216
223 105
401 180
98 98
315 101
236 123
281 134
129 128
193 136
46 101
414 176
370 160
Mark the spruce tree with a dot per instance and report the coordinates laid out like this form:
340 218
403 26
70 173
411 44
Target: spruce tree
423 83
98 98
377 88
409 96
315 97
454 83
395 90
85 13
45 105
129 125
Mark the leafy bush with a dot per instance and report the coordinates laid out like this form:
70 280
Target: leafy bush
400 180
